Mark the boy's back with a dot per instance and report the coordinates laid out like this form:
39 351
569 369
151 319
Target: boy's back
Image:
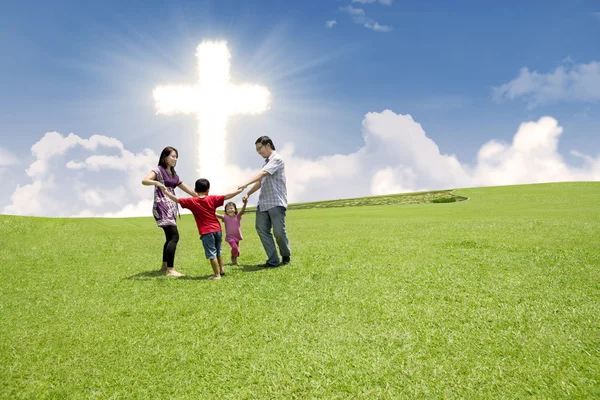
204 208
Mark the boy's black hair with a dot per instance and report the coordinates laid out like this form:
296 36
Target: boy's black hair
265 140
231 203
202 185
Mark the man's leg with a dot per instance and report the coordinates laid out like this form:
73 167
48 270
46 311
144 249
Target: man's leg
263 228
277 215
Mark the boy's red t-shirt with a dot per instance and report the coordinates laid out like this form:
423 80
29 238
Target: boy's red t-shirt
204 209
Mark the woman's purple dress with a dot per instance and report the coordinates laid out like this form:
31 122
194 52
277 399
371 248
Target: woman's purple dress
164 209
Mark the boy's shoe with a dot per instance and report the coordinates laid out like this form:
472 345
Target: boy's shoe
285 260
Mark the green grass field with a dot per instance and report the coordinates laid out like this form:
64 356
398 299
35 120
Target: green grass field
494 297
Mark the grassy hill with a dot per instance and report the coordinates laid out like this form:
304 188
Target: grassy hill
495 297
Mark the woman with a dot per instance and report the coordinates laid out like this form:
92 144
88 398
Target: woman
165 211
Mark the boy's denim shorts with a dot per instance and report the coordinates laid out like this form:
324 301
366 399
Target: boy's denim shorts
212 244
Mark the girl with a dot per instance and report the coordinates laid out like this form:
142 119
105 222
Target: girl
233 229
165 211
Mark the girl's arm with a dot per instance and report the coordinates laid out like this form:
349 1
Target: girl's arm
219 216
150 180
243 207
187 189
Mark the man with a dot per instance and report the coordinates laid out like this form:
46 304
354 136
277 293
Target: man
272 202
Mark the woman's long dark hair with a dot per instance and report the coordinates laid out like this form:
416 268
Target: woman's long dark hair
162 160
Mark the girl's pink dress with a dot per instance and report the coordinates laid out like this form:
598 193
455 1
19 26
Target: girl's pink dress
233 231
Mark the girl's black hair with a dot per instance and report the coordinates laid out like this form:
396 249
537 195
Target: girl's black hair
234 206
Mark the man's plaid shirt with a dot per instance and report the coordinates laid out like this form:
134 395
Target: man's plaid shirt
273 190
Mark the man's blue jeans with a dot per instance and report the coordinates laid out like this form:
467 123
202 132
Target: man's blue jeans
273 217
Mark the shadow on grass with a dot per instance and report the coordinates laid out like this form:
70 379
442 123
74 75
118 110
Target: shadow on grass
157 274
142 276
154 275
250 267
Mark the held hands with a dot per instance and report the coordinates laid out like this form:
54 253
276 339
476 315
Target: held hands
161 186
242 187
245 199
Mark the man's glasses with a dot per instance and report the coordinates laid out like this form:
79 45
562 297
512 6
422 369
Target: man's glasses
258 149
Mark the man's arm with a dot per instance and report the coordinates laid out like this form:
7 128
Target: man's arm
232 194
252 190
169 195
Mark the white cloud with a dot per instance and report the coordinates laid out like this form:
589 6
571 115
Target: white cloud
330 24
359 17
357 14
569 83
376 27
396 156
7 158
99 185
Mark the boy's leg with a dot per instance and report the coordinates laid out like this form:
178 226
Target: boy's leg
210 251
218 242
221 266
214 263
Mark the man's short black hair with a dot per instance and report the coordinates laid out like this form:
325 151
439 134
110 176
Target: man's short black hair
202 185
265 140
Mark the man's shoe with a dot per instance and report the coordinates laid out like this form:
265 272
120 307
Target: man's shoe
267 265
285 260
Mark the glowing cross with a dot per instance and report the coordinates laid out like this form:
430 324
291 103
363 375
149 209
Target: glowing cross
213 100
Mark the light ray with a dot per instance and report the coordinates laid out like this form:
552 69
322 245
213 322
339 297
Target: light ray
213 100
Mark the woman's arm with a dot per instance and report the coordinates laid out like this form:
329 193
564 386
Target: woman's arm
150 180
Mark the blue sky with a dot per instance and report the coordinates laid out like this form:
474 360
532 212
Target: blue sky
470 73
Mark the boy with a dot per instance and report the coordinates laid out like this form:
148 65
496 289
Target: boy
203 208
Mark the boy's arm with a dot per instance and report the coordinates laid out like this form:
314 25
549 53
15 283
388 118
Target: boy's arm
232 194
169 195
244 206
256 178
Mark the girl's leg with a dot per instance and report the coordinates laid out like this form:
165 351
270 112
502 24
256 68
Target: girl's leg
235 251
